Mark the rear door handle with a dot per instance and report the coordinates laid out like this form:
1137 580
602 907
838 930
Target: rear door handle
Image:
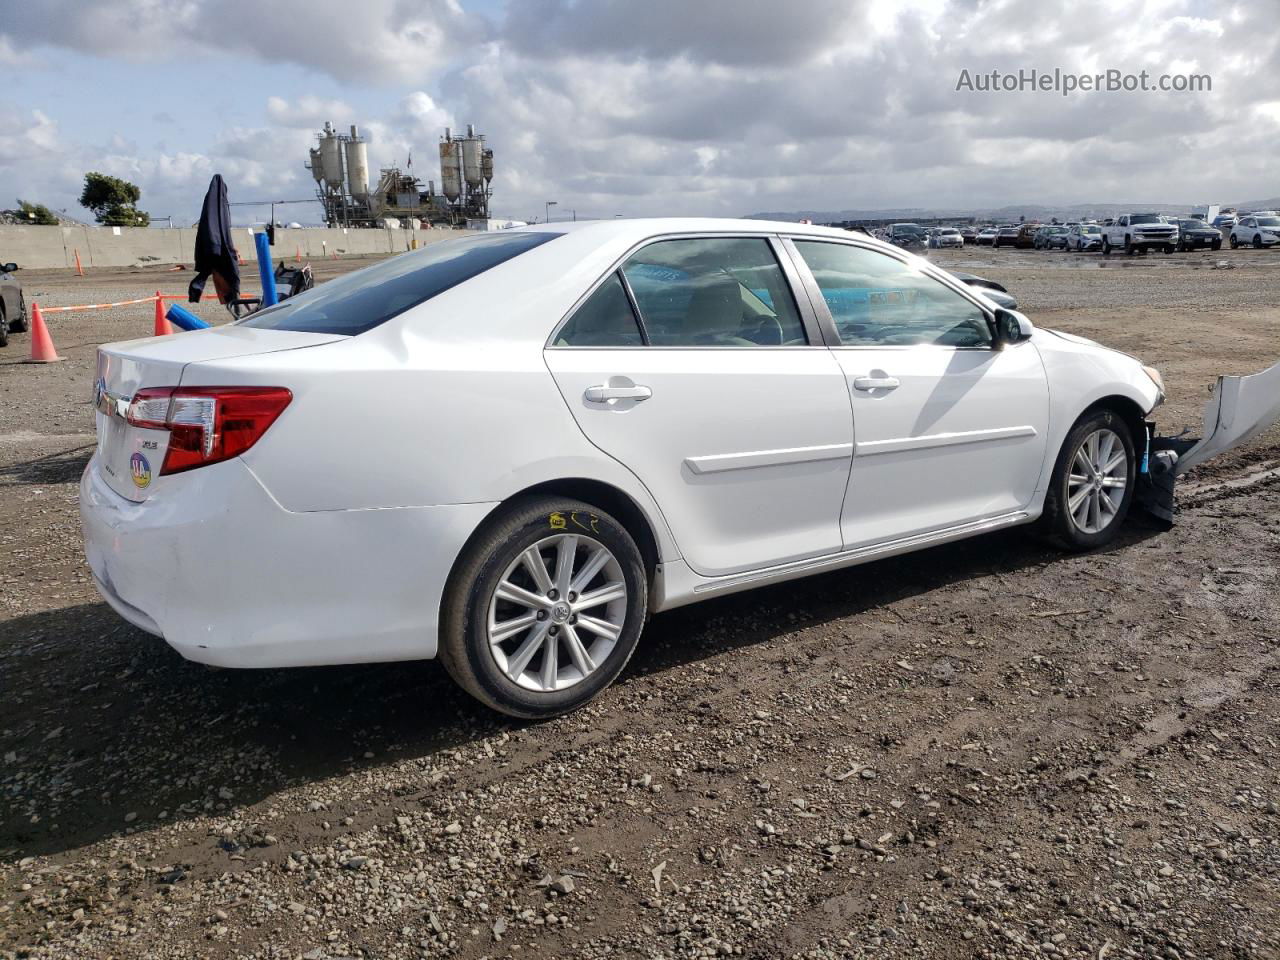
876 383
603 394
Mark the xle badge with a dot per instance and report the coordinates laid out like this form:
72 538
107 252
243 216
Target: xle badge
141 471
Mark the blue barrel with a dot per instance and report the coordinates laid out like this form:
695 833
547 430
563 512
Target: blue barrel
185 319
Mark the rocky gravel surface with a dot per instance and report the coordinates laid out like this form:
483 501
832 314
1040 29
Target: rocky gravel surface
986 750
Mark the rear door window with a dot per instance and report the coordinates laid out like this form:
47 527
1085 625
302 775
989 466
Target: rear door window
362 300
713 292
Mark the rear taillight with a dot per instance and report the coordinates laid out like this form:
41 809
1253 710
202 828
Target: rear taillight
207 424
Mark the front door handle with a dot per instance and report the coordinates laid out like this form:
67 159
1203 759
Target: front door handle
876 383
603 394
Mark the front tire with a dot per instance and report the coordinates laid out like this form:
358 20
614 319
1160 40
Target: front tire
1257 241
4 328
1235 242
19 323
544 608
1092 485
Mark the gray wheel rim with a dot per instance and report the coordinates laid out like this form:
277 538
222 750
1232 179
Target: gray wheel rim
557 612
1096 483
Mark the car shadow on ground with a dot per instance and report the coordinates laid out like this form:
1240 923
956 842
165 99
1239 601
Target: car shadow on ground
65 466
104 728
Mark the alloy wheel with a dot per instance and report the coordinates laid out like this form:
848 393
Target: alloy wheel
1096 483
557 612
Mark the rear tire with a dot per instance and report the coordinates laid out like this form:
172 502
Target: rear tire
505 665
4 328
1235 242
1080 514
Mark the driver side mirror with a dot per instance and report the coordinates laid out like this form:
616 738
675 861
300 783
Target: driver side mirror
9 267
1010 326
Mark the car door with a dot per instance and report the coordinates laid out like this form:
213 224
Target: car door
692 365
948 429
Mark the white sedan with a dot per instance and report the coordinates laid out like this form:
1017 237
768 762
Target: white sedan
508 449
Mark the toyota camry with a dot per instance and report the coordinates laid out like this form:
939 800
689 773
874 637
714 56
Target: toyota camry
506 450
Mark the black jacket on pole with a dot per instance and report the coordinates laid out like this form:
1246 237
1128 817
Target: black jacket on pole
215 251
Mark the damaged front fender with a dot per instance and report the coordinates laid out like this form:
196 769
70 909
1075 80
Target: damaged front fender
1240 409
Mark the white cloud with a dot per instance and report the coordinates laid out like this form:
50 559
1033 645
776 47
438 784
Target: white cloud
307 112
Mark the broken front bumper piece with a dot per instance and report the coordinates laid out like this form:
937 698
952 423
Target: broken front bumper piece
1239 409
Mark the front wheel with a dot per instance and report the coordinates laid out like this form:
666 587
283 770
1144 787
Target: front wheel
4 328
1092 484
19 323
1216 245
1257 241
544 608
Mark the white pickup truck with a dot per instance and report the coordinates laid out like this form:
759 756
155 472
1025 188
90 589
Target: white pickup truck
1140 231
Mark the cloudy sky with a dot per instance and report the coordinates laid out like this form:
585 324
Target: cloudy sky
642 107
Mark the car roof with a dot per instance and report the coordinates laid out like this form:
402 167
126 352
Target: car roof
642 227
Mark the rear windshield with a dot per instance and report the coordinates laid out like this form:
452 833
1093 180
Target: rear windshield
364 299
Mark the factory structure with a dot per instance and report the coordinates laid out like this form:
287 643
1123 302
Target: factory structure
340 165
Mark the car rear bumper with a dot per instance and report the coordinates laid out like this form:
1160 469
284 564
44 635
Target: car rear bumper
228 577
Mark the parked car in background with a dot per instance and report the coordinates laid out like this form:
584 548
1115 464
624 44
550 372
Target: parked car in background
987 236
13 306
907 235
1140 231
1224 221
1007 236
1026 236
1082 237
945 237
656 412
1193 234
1050 237
1256 230
969 234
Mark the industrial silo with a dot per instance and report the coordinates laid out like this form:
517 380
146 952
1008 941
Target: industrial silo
450 167
331 157
472 150
357 165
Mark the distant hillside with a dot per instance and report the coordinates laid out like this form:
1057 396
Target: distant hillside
1009 212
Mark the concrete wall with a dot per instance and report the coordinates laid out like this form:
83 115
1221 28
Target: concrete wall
44 247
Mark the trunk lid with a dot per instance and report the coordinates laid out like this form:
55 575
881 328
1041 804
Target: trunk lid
130 457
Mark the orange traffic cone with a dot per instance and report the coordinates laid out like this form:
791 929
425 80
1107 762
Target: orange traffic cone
298 258
162 328
41 343
79 269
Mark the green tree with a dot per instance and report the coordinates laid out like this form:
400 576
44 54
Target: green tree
113 201
37 213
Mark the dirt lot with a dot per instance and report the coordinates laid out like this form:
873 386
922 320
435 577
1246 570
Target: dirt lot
986 750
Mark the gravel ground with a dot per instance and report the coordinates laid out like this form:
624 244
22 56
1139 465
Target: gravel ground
988 749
